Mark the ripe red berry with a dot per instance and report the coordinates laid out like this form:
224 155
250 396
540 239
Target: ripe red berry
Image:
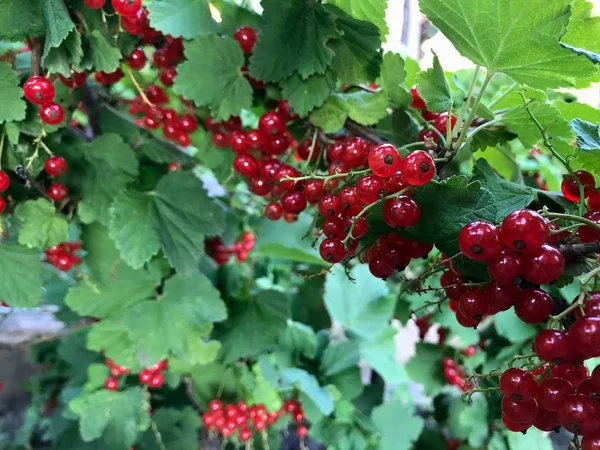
451 283
255 140
137 59
258 185
55 166
276 144
246 36
394 256
384 160
505 267
552 391
570 189
111 384
379 267
579 414
534 306
543 265
332 250
2 205
330 205
313 190
273 211
108 78
418 168
167 76
480 241
547 421
552 345
39 90
52 113
417 100
474 305
156 94
591 441
245 434
587 233
334 227
76 80
591 305
522 412
441 122
573 373
369 188
355 153
127 8
465 321
401 211
246 165
63 262
302 431
220 139
524 230
183 139
95 4
584 336
518 384
594 200
58 192
294 202
515 427
4 181
271 124
157 380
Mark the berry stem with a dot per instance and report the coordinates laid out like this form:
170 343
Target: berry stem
574 218
1 147
326 178
487 391
411 146
502 96
137 86
467 124
312 149
463 109
157 435
516 358
486 376
480 128
364 132
579 302
449 125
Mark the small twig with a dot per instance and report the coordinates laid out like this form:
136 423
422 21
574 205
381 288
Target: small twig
157 435
365 132
25 175
191 393
37 49
570 250
138 87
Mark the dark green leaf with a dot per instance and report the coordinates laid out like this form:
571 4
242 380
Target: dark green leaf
177 428
309 385
393 75
20 276
182 18
42 226
12 106
434 88
368 10
105 57
339 357
21 19
305 95
58 24
588 134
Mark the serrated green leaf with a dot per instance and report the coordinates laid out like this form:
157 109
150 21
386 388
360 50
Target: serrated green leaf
73 351
20 276
12 106
469 421
434 88
178 429
339 357
368 10
113 339
532 440
255 326
309 385
380 354
21 19
584 30
199 353
305 95
69 53
131 228
425 367
183 215
510 327
393 75
222 86
588 134
42 226
182 18
58 24
104 56
300 338
514 37
293 39
199 290
398 425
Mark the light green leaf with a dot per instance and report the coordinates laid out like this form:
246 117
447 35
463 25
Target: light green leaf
68 53
183 215
425 367
398 425
533 440
367 311
434 88
294 38
304 95
20 276
381 356
113 339
588 134
584 29
131 228
178 429
42 226
58 24
12 106
339 357
300 338
17 22
469 420
369 10
199 290
510 327
331 116
105 57
393 75
309 385
222 86
182 18
514 37
199 353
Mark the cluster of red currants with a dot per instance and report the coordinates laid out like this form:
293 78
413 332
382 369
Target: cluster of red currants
548 398
241 417
216 249
4 184
63 256
455 375
153 376
112 383
124 8
55 166
40 91
570 190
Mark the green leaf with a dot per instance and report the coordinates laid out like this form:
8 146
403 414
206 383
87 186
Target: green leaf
113 339
305 95
588 134
58 24
367 311
109 165
393 75
222 86
294 38
434 88
309 385
584 30
182 18
533 440
425 367
357 58
117 417
177 428
255 326
339 357
105 57
183 215
42 226
469 421
18 21
368 10
20 276
300 338
398 425
69 53
381 356
73 351
200 291
12 106
514 37
508 196
131 228
510 327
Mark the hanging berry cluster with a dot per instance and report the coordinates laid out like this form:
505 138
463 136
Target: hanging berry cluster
63 256
40 91
455 375
152 377
216 249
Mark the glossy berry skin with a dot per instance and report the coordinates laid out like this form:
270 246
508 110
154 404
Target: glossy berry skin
505 267
584 336
401 211
501 296
301 431
334 153
588 234
220 139
294 202
355 153
524 230
480 241
395 257
2 205
552 391
270 124
518 384
543 265
111 384
547 421
451 284
273 211
552 345
127 8
313 191
534 306
109 78
137 59
55 166
570 189
330 205
591 305
63 263
594 200
58 192
156 381
246 165
573 373
52 113
579 414
189 123
522 412
76 80
246 36
369 188
591 441
39 90
379 267
304 150
418 168
334 227
167 76
332 250
4 181
350 201
473 305
95 4
441 122
384 160
417 100
515 427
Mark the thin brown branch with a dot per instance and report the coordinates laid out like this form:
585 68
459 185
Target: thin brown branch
572 250
364 132
37 49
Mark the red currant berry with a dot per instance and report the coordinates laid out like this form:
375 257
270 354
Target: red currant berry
220 139
465 321
76 80
95 4
543 265
579 414
473 305
522 412
111 384
394 257
156 94
167 76
505 267
591 441
271 124
351 203
591 305
55 166
294 202
360 225
355 153
515 427
547 421
4 181
335 151
451 283
304 150
58 192
380 267
183 139
108 78
63 262
587 233
246 165
302 431
52 113
156 381
573 373
39 90
259 186
245 435
137 59
570 189
552 392
246 36
441 122
330 205
480 241
313 191
524 230
2 205
417 100
215 405
334 227
518 384
384 160
273 211
332 250
418 168
401 211
584 336
369 188
552 345
127 8
534 306
594 200
425 135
